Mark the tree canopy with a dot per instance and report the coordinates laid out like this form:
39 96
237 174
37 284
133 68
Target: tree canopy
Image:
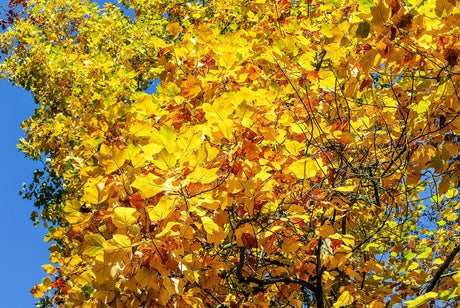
292 154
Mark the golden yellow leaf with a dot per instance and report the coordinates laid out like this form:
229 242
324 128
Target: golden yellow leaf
124 217
93 245
327 80
174 28
38 290
203 175
305 168
161 210
147 185
118 249
95 193
380 14
452 193
146 278
168 230
72 211
145 107
49 268
209 225
368 60
227 59
325 231
348 188
344 299
451 216
165 160
421 299
376 304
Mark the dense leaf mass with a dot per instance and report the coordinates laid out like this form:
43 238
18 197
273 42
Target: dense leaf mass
294 154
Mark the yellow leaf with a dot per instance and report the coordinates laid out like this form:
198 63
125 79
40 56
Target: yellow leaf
227 59
93 245
95 193
151 149
147 185
451 193
49 268
115 160
451 216
343 137
72 211
306 60
421 107
141 130
380 14
168 138
367 61
443 7
421 299
348 188
165 160
174 28
161 210
305 168
327 80
325 231
203 175
344 299
84 278
209 225
456 277
124 217
145 107
375 304
38 290
168 230
117 249
146 277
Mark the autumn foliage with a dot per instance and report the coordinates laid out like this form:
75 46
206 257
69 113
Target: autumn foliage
292 154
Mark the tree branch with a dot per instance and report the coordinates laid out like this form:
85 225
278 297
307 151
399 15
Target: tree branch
441 269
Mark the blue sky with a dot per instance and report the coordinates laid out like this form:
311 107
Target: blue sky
23 248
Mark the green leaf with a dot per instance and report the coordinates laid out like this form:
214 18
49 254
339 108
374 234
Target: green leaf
363 29
365 4
410 256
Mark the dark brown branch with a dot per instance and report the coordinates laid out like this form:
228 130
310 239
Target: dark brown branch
268 280
442 268
319 274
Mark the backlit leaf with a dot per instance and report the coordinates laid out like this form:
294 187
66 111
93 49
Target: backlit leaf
420 300
93 245
124 217
147 184
344 299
